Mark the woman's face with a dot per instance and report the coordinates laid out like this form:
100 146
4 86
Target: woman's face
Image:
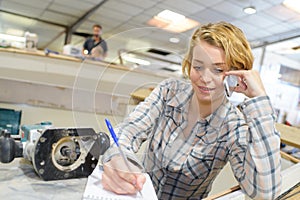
207 73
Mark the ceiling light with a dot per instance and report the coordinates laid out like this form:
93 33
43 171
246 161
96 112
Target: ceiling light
171 21
249 10
135 60
174 40
170 16
296 48
292 4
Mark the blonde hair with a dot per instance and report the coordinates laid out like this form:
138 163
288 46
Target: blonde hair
238 54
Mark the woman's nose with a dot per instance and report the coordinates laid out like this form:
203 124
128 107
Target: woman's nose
206 75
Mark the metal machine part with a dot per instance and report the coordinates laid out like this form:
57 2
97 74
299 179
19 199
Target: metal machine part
60 153
9 149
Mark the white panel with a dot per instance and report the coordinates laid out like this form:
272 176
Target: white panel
275 2
78 4
155 10
261 33
281 12
141 19
230 9
93 1
122 7
13 21
112 14
66 10
295 21
280 28
141 3
259 5
186 8
59 18
41 4
259 20
56 45
210 15
245 27
208 3
105 21
21 9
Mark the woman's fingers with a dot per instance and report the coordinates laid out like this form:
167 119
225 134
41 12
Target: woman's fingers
250 82
118 185
121 180
140 181
241 86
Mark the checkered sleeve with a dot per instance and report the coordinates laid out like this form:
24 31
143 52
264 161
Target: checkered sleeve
255 151
134 130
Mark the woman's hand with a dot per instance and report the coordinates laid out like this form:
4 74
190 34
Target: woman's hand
249 83
118 179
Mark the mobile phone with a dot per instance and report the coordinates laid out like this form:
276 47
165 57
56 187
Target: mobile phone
230 82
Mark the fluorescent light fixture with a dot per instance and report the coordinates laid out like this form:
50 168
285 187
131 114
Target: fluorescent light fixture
250 10
12 38
296 48
170 16
135 60
288 51
292 4
173 22
174 40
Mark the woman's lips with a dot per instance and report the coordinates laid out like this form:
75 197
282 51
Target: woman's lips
204 89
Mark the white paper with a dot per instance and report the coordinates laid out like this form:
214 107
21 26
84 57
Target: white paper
95 191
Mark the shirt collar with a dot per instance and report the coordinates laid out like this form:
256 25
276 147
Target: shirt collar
217 118
180 97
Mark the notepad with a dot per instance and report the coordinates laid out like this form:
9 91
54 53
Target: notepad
95 191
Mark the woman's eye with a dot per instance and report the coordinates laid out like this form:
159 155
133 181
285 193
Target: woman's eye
198 68
218 70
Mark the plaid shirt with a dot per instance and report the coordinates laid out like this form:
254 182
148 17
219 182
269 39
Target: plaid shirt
184 167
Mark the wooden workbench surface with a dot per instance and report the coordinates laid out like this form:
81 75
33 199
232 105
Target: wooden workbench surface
289 135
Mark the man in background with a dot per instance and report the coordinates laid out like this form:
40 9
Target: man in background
95 47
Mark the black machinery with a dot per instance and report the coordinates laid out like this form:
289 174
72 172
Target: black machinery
57 153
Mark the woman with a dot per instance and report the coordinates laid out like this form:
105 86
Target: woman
193 130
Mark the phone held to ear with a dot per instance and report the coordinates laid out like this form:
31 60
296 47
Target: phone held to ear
230 82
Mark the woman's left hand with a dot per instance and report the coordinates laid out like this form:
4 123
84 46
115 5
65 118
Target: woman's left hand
249 83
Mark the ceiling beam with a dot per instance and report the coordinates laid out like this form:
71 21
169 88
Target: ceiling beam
34 18
82 19
276 39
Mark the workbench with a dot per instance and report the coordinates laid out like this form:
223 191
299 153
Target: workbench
18 180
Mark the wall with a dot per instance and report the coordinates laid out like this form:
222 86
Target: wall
60 117
283 95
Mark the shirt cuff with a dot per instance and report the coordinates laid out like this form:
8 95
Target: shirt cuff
114 151
257 107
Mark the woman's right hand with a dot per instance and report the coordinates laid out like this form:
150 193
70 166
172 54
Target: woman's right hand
118 179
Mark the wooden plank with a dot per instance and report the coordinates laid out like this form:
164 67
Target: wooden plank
289 135
293 194
290 178
289 157
141 93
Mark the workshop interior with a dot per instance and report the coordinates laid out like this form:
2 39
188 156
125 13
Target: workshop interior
54 99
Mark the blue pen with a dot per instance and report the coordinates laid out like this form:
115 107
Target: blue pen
114 136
